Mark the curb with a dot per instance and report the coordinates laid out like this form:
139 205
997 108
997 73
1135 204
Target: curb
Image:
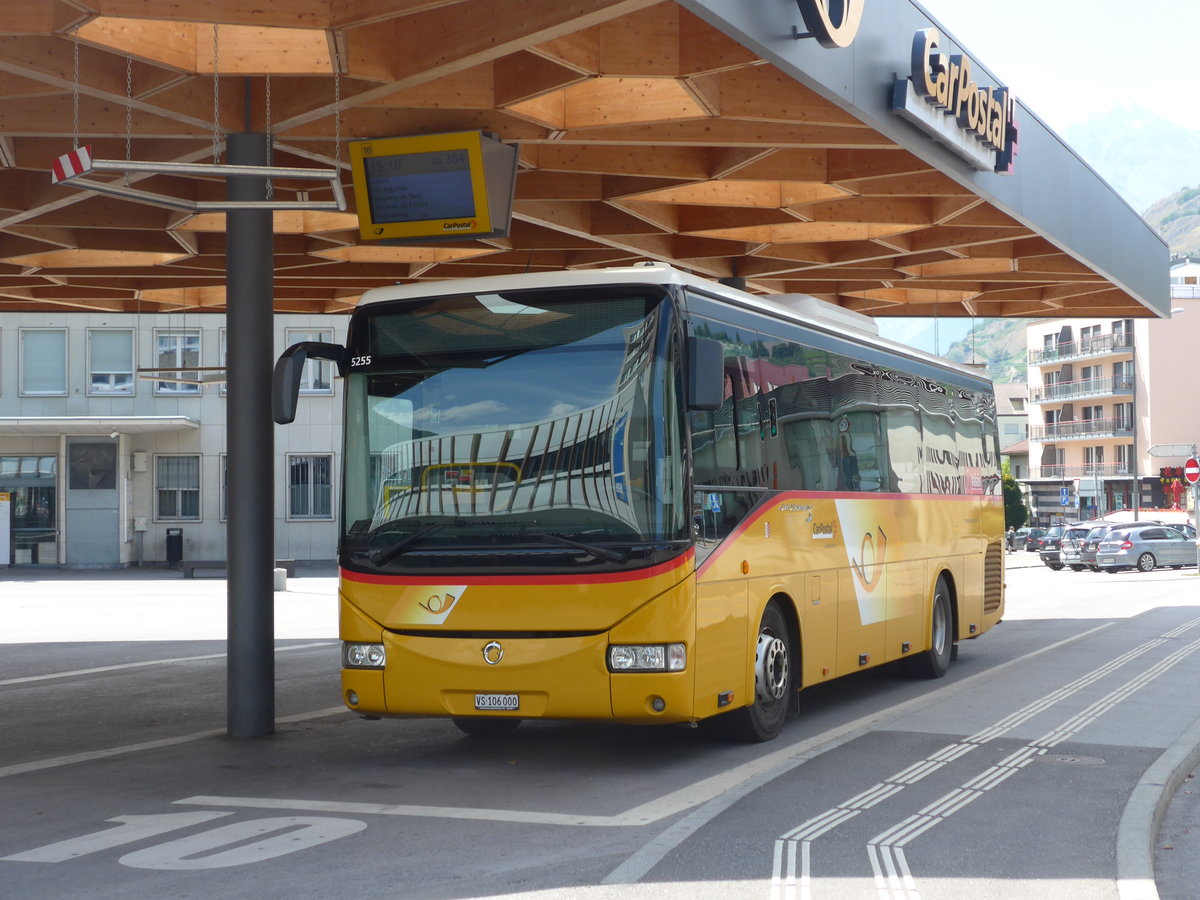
1138 831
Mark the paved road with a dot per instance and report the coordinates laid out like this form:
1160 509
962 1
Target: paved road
1007 779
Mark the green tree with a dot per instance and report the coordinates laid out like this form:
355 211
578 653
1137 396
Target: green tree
1015 512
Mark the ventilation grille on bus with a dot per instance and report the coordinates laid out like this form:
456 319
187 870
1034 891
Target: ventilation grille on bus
993 577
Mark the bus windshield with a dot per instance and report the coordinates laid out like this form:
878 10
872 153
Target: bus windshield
511 428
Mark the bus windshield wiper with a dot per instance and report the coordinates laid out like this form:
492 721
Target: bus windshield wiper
597 551
387 554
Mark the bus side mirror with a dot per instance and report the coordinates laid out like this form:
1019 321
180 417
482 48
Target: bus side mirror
705 374
285 380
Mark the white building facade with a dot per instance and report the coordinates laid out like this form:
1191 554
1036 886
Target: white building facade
102 462
1103 393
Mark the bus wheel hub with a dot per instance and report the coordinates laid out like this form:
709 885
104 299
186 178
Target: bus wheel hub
771 671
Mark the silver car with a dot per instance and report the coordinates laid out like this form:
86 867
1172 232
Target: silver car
1145 548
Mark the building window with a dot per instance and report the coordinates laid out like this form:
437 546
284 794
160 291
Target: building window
44 361
1018 404
176 350
110 361
317 375
310 487
177 487
1123 413
1124 458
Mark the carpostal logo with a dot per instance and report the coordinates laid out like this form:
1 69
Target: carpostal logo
834 23
441 602
460 225
824 531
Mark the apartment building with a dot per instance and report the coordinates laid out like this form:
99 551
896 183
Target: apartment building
112 435
1104 392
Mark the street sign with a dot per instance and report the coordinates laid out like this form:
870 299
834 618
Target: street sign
1191 470
1064 496
1172 449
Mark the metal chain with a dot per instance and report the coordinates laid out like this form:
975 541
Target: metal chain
216 141
75 93
337 109
270 142
128 112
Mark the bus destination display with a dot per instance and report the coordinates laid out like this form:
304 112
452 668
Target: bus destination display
420 186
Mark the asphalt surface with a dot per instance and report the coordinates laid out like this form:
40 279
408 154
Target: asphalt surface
118 781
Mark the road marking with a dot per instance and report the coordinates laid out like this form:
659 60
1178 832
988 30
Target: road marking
890 842
149 662
756 771
91 755
821 824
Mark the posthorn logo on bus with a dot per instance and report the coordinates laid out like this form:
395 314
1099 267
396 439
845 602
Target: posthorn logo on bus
834 23
492 652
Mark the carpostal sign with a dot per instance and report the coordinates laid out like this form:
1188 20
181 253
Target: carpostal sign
942 98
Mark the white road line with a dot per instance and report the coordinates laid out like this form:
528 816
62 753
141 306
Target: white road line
935 761
945 806
148 662
91 755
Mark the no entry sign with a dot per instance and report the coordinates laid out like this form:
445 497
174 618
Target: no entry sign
1191 470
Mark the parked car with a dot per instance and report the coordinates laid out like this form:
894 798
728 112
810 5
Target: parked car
1032 536
1071 546
1145 547
1087 554
1050 546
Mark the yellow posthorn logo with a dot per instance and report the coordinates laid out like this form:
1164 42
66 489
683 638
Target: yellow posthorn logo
868 572
441 601
819 16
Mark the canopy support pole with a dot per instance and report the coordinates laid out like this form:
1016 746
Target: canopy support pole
250 448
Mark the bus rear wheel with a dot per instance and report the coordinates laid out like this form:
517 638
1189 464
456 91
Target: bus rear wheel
934 662
486 726
774 676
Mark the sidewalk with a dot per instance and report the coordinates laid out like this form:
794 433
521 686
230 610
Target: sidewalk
50 605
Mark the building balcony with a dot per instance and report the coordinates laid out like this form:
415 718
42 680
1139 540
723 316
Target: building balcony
1081 430
1102 345
1077 390
1066 473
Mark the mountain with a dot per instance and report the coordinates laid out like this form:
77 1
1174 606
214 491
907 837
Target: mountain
1142 155
997 343
1177 219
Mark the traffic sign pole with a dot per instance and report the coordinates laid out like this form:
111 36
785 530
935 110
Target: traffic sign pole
1191 474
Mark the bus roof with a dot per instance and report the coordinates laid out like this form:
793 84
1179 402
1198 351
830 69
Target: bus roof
800 308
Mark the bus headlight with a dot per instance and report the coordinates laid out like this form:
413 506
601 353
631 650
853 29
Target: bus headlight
363 656
647 657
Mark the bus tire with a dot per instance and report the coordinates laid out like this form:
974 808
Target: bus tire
934 662
774 676
486 726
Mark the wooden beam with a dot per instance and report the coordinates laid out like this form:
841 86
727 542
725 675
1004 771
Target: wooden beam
670 162
764 93
522 76
728 132
606 102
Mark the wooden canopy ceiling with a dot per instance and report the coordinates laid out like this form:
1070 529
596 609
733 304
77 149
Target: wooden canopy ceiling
644 133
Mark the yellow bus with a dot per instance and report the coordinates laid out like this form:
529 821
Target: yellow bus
635 495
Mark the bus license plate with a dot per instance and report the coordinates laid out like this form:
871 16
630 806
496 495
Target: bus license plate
492 702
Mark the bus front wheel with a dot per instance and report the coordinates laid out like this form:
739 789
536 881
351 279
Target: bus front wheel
934 662
773 680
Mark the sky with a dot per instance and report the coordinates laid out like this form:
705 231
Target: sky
1069 60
